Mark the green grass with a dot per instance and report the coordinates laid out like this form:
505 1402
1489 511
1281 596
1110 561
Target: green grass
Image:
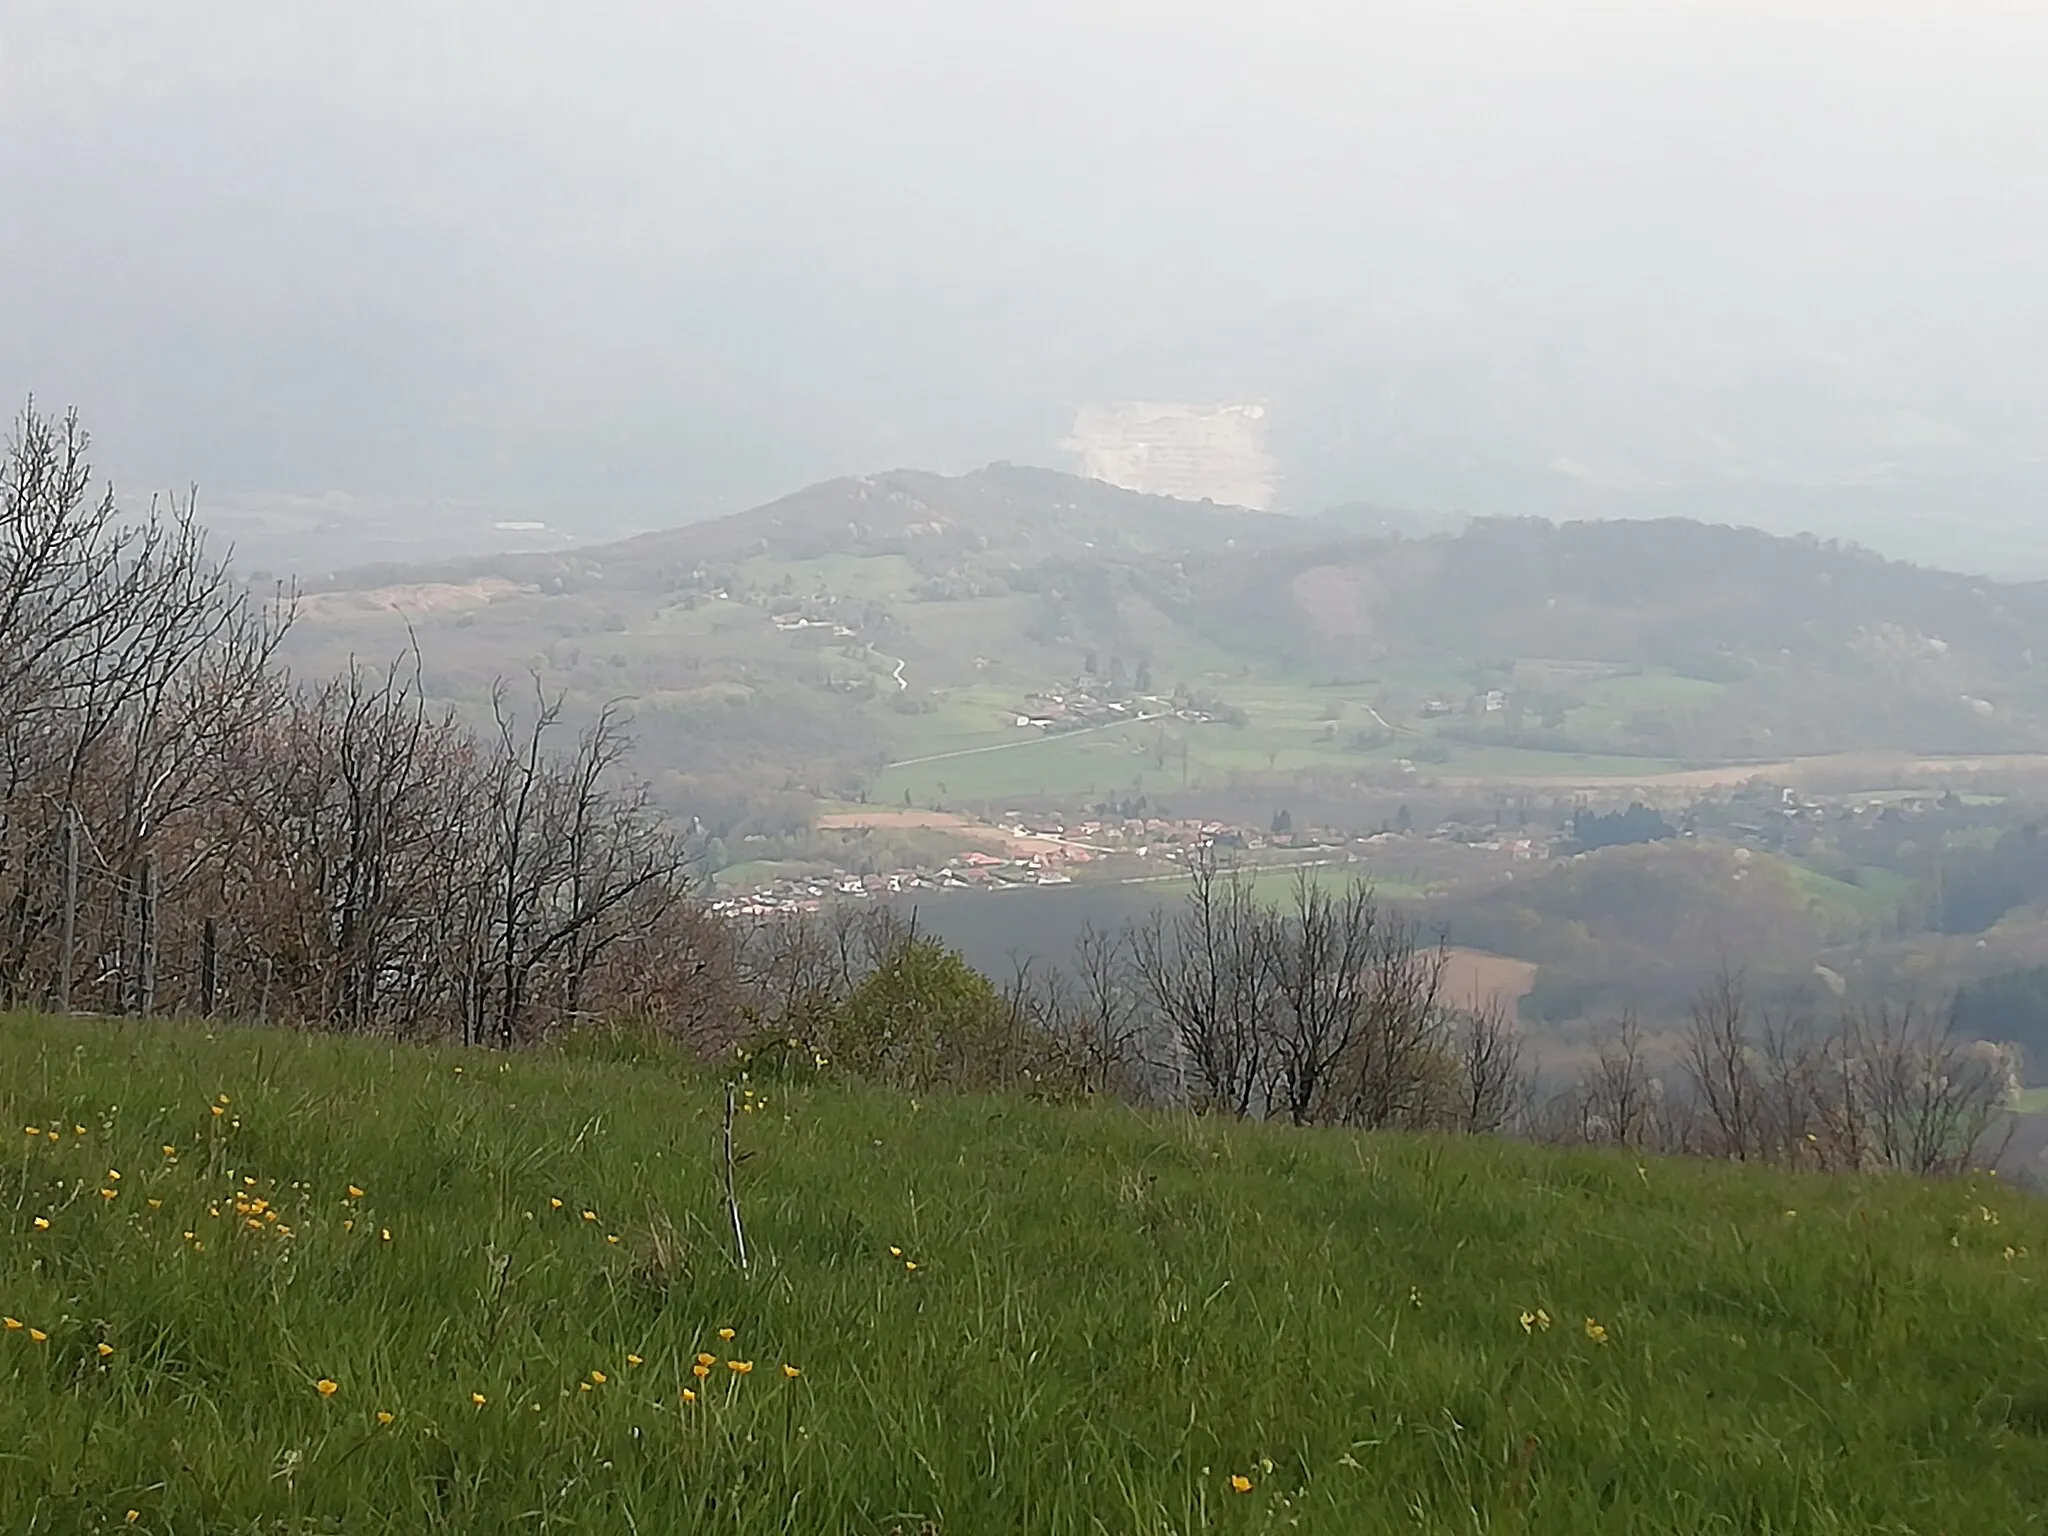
1111 1315
842 575
1873 900
1103 762
753 872
1612 702
1275 884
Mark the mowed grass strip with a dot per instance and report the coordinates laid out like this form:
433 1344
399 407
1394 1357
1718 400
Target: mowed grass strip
1003 1315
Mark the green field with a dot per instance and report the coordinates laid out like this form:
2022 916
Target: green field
1006 1316
1872 901
1274 885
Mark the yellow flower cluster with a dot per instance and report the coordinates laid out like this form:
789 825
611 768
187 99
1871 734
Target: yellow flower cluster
737 1370
102 1349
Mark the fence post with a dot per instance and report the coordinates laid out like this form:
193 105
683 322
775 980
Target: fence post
67 918
209 966
146 960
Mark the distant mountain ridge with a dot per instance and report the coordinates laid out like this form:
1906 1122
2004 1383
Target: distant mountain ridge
1746 646
1598 590
1003 509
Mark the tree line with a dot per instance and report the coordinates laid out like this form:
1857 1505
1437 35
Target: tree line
186 828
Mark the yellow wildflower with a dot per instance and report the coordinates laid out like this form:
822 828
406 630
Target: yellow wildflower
384 1416
132 1516
634 1360
384 1234
42 1223
169 1150
218 1111
1239 1483
740 1367
590 1215
689 1396
707 1359
13 1324
700 1370
1595 1332
895 1252
326 1386
613 1239
354 1192
791 1372
106 1350
39 1336
554 1204
597 1378
78 1130
32 1130
478 1398
725 1333
910 1266
108 1194
155 1204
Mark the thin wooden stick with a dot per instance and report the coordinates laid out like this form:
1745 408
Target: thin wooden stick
732 1198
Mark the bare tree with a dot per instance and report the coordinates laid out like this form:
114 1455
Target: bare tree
1720 1062
1399 1067
1926 1101
1492 1086
1208 973
1326 955
1617 1099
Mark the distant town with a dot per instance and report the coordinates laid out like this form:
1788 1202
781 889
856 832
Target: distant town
1033 850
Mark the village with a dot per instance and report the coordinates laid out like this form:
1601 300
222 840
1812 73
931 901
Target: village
1033 850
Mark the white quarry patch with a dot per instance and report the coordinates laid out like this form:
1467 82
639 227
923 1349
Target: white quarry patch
1190 452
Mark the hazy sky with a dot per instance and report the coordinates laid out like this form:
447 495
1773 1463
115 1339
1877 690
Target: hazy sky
703 254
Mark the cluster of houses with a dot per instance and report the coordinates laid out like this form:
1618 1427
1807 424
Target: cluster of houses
1047 851
1071 710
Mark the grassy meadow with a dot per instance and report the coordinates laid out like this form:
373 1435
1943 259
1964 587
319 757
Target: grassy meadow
268 1282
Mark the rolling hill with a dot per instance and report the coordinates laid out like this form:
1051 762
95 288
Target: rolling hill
908 618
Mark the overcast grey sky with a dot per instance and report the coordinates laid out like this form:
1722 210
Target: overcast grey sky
701 255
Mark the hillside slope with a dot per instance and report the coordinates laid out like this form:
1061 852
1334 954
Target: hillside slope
814 643
1671 591
286 1283
1816 647
1002 514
